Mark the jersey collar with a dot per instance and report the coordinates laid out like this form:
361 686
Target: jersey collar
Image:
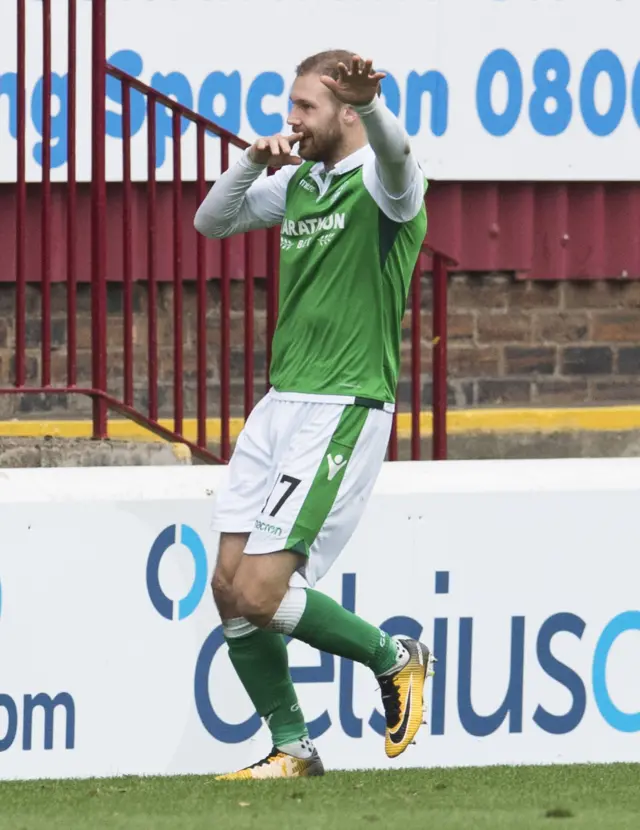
347 164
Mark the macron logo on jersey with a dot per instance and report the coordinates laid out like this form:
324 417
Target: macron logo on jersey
306 227
335 465
305 185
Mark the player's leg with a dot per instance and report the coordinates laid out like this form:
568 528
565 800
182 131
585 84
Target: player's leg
260 659
401 665
266 600
258 656
327 477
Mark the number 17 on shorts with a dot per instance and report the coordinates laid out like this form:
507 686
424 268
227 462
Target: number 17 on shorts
310 501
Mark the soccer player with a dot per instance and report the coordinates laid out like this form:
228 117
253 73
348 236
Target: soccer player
351 210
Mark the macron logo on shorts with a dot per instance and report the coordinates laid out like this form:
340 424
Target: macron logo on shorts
335 465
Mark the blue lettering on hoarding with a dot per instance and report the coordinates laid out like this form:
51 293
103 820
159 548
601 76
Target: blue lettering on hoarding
175 85
510 711
131 63
436 85
267 84
48 705
511 706
497 62
551 107
165 540
558 671
226 97
622 721
217 86
8 87
58 119
31 704
603 62
551 76
635 95
331 670
13 711
219 98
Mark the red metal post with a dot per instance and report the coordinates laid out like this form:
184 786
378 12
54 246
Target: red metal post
439 358
201 300
393 439
71 197
178 403
21 200
249 312
416 367
127 246
225 328
98 219
45 244
152 285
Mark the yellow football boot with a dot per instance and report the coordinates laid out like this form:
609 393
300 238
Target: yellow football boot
278 764
402 697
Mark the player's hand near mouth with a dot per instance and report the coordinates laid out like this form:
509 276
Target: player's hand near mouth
276 151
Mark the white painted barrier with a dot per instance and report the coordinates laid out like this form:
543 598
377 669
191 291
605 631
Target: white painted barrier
524 575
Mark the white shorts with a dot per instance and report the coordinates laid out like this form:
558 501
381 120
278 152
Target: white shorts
300 477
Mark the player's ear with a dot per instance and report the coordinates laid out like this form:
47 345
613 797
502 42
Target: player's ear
349 115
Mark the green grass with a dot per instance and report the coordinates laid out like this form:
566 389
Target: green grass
497 798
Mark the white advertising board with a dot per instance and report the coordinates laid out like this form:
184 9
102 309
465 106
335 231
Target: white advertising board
487 89
522 575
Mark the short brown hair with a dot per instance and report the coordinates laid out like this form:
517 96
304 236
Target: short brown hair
326 63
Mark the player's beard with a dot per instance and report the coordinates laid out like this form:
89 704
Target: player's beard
321 146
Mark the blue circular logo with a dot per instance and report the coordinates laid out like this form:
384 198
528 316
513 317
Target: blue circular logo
161 602
622 721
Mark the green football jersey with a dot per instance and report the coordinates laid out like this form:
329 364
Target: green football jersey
345 273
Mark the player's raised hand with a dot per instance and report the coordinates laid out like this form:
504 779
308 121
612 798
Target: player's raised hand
276 150
357 84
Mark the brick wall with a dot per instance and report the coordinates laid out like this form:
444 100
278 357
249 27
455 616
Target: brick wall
543 343
512 343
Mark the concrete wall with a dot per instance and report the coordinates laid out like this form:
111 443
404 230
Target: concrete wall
83 452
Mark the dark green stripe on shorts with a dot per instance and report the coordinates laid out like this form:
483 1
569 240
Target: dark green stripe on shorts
326 483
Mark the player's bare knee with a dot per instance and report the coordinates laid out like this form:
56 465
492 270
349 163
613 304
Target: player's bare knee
258 610
260 584
229 557
256 602
222 587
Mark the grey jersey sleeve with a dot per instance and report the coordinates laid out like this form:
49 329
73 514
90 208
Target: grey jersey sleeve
242 201
392 174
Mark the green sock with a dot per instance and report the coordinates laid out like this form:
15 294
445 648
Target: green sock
328 626
261 662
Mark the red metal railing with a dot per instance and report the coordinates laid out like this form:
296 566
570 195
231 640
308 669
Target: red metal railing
203 126
441 264
98 226
126 399
21 199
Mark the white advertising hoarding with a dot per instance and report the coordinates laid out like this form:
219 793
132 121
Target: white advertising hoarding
522 575
487 89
